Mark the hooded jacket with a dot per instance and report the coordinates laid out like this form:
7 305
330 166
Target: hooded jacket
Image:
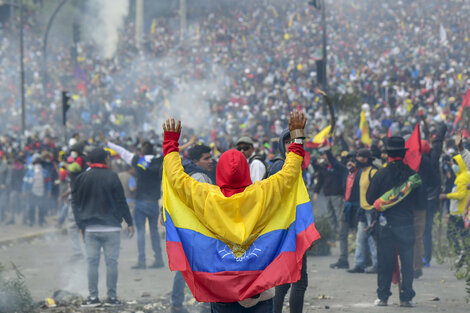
235 210
196 172
461 180
279 159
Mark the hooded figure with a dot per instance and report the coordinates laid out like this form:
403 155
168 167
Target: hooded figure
244 229
278 161
456 228
460 192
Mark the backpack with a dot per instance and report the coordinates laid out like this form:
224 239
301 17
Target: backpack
266 166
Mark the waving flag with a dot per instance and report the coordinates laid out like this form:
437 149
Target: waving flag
413 154
364 130
232 248
319 139
465 103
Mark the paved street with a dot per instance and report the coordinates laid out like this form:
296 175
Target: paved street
47 268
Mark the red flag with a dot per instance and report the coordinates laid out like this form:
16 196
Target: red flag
413 154
465 103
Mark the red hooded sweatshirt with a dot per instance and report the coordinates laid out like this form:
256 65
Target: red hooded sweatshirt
233 171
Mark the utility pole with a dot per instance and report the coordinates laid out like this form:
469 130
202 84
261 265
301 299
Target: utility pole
139 21
23 114
183 13
45 79
325 56
321 5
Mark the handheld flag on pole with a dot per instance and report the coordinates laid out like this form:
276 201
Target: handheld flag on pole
413 154
465 103
319 139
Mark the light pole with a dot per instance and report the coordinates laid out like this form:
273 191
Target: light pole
45 79
321 5
23 115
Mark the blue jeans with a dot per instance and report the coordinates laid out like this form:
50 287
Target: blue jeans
177 294
235 307
110 242
363 242
147 210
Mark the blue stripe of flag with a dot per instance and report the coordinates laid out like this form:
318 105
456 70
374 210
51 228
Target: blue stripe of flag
211 255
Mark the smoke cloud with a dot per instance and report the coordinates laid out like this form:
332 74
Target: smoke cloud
105 20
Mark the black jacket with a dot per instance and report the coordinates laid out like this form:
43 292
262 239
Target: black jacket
395 174
430 163
98 199
333 180
148 177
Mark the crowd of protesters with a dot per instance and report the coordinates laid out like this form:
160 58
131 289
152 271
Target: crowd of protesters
240 71
242 67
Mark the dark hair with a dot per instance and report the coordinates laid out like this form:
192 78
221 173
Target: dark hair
197 151
147 148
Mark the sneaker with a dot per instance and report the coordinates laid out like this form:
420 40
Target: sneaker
370 270
157 264
91 302
112 302
379 302
356 269
178 309
406 304
418 273
340 264
426 262
139 266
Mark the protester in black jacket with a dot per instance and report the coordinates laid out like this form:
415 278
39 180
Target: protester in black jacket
395 226
99 206
432 189
350 177
331 179
148 168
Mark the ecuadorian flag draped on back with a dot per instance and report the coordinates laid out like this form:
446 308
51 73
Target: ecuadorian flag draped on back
232 248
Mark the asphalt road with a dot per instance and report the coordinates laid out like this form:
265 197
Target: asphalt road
46 266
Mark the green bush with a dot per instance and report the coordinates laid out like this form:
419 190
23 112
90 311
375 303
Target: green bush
444 251
322 246
14 295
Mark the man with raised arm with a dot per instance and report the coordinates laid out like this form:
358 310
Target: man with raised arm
234 241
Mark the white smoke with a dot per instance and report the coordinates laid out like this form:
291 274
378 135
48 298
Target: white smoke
105 20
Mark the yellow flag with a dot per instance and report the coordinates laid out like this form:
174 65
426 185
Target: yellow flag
320 137
153 28
364 127
409 105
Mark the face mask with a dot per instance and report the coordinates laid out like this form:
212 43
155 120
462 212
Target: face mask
455 168
351 167
74 154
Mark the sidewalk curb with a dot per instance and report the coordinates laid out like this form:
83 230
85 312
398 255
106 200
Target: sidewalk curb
31 236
